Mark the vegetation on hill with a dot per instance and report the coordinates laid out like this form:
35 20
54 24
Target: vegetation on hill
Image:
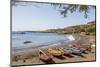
88 29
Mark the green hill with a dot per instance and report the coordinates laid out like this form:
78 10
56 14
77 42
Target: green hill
88 29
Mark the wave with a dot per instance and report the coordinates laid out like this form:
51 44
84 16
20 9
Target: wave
71 37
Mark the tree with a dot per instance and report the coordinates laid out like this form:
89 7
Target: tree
64 9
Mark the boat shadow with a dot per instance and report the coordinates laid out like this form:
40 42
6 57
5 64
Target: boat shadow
49 61
85 52
77 54
69 55
60 57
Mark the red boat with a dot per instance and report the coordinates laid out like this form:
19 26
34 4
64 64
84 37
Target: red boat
82 47
45 57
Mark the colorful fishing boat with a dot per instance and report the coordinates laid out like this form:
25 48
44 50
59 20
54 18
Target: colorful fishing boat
81 47
44 57
73 51
55 52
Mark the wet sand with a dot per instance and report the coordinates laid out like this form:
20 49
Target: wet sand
31 56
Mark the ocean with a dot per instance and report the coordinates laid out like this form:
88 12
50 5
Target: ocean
22 40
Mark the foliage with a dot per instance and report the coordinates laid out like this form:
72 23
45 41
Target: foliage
87 28
62 8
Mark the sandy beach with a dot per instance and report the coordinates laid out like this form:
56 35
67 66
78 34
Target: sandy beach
31 56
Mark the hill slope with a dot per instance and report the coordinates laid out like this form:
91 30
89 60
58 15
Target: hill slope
88 28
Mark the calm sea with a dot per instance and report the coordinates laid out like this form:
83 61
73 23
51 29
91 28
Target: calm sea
35 39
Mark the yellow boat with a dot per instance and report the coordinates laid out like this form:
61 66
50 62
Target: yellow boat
56 51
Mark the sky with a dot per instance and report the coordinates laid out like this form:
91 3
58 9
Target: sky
42 16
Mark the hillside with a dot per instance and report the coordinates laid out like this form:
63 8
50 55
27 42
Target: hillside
88 29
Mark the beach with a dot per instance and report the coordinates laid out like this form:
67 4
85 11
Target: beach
31 57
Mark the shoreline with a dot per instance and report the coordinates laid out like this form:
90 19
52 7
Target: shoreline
59 43
34 52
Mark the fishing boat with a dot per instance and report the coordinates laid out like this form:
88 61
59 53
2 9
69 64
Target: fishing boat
66 53
82 48
55 52
26 42
44 57
73 51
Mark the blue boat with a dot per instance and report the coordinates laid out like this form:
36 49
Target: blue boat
72 50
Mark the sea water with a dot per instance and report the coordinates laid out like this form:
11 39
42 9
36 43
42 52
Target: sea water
37 39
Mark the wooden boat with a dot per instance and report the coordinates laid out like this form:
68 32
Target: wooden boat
55 52
44 57
74 51
82 48
26 42
66 53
